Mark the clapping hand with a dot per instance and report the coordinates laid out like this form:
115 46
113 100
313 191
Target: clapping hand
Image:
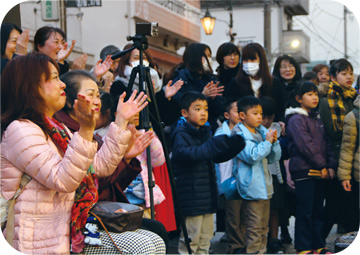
65 52
213 89
79 63
126 110
138 143
85 116
22 43
101 68
170 91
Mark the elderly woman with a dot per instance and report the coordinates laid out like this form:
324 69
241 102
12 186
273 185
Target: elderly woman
63 167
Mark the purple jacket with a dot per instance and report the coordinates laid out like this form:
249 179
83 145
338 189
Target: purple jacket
309 147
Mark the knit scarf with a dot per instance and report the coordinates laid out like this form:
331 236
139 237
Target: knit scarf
335 97
86 194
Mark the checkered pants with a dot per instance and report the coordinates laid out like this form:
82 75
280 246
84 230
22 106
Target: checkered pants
139 241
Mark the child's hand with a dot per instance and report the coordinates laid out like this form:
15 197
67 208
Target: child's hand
275 136
270 136
346 185
138 143
324 174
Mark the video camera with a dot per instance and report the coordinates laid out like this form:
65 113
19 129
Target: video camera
147 29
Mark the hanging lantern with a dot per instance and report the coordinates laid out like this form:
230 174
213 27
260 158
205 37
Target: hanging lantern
208 22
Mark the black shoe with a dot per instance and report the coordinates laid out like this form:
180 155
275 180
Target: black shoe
285 236
275 247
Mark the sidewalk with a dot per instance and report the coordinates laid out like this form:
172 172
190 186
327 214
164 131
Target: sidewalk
218 247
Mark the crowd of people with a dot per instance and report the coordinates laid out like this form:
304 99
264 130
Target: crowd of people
252 146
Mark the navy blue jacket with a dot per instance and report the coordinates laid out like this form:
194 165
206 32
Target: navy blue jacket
309 146
194 154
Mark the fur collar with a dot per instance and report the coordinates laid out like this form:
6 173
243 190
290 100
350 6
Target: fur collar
298 110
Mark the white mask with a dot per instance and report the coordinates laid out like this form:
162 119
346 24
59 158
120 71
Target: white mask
206 66
137 62
251 68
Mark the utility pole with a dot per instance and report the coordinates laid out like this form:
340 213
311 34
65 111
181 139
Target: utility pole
267 29
62 8
345 32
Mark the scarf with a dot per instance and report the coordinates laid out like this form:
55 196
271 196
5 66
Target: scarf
86 194
335 97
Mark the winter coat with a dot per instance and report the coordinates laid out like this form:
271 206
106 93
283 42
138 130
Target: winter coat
334 135
110 187
192 83
194 154
248 165
43 210
237 90
309 147
349 153
224 169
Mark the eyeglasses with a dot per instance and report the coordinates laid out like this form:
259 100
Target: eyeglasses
287 66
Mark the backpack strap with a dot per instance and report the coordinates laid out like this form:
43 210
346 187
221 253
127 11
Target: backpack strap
10 224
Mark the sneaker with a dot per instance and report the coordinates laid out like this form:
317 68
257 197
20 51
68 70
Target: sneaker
224 238
322 251
275 247
304 252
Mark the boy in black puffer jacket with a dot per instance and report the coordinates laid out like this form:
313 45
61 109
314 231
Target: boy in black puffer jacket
194 154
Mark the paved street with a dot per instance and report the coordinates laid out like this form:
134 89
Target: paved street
218 247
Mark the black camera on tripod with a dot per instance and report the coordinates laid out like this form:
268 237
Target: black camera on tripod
150 29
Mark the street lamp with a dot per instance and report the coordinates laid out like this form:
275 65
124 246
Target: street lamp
208 22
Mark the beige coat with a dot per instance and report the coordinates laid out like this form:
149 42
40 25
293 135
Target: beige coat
42 211
349 155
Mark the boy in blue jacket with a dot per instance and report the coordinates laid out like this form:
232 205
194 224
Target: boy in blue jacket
194 154
253 178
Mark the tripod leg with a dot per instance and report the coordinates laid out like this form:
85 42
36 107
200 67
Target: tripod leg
166 152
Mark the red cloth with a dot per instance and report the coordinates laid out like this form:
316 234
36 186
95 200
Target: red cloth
164 212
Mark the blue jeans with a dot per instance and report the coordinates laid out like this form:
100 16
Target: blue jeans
309 214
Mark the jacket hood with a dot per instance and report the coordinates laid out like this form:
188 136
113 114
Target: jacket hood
357 102
297 110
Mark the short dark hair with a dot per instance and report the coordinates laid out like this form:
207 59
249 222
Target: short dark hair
108 50
340 65
73 79
247 102
228 102
6 29
301 88
268 105
226 49
276 70
308 76
43 33
189 97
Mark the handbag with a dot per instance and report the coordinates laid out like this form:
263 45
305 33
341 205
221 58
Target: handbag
118 217
229 188
8 211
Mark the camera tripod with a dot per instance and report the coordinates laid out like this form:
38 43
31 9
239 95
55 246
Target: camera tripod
145 85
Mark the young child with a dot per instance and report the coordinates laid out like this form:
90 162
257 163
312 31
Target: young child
138 192
234 227
311 156
348 170
333 108
253 178
193 156
277 200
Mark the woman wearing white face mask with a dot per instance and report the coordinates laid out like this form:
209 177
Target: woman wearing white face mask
126 64
197 74
254 78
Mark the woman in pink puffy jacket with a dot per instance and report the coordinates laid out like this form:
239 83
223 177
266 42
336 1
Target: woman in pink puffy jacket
53 207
